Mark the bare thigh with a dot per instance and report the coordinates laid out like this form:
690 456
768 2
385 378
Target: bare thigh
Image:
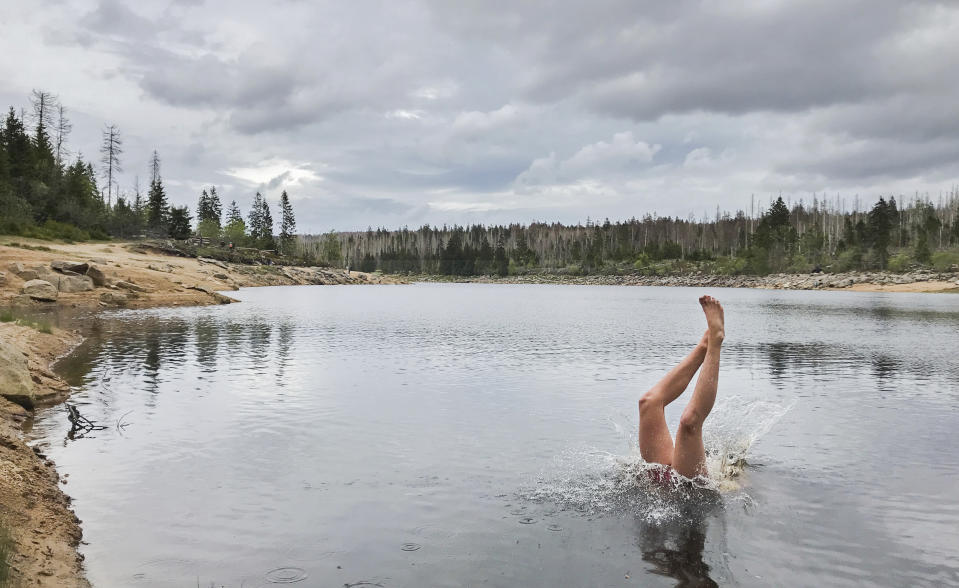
655 442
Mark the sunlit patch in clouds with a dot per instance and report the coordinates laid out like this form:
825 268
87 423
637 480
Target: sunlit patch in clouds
276 174
405 114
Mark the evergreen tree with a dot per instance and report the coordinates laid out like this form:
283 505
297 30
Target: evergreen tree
255 220
266 226
208 213
157 206
235 229
179 222
880 227
287 225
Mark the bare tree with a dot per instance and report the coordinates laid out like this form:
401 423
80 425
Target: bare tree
61 129
110 151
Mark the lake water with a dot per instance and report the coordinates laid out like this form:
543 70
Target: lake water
468 435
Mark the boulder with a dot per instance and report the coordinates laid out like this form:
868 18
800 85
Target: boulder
96 274
113 298
40 290
3 278
28 275
131 286
221 276
75 284
79 267
98 261
15 268
15 382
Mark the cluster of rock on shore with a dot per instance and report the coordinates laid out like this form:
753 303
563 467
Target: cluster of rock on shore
45 283
818 281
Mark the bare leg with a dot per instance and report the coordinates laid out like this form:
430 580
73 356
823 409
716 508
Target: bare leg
655 442
689 455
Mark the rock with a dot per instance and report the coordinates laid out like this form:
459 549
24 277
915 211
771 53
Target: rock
75 284
215 262
79 267
15 382
40 290
201 288
132 287
98 261
97 275
28 275
3 278
221 299
113 298
15 268
221 276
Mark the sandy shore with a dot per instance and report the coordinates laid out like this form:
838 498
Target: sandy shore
34 508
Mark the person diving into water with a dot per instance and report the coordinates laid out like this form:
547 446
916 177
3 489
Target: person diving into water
687 457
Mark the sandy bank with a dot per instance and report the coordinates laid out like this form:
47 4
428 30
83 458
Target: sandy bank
918 281
33 507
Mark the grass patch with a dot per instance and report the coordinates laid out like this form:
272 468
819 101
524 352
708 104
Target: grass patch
28 246
7 316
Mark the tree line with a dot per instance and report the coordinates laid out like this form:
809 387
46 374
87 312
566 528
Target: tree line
892 234
48 192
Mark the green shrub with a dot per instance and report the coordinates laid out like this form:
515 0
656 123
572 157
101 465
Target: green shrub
899 262
6 316
731 266
849 260
944 260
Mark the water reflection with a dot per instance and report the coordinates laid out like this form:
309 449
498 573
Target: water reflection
676 548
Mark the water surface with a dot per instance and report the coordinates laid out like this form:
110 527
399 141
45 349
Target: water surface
462 435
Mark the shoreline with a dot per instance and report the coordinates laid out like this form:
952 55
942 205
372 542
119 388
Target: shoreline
45 533
928 281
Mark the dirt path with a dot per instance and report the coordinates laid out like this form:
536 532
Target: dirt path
44 532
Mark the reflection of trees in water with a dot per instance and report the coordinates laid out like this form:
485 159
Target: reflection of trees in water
284 341
676 549
786 360
260 334
207 333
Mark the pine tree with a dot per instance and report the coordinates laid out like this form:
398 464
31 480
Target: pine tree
255 220
157 206
266 227
179 222
235 229
287 225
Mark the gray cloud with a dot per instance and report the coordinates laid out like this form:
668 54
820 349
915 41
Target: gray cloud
431 111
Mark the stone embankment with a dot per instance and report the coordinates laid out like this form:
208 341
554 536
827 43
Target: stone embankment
917 281
36 275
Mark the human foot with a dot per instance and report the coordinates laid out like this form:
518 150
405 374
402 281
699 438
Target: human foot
714 320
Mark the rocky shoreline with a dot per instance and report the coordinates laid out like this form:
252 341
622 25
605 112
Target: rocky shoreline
917 281
37 276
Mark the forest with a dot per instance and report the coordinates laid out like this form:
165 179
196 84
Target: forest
47 192
894 234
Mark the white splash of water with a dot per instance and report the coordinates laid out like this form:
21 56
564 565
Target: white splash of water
595 482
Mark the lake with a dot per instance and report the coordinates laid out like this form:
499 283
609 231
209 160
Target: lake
469 434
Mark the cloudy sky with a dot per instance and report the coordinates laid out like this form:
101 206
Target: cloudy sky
403 112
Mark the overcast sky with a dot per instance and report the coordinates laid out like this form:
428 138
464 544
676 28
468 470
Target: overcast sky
404 112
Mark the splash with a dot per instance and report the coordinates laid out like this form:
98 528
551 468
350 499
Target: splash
595 482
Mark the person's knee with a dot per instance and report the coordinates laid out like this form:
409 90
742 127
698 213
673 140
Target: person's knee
650 401
691 422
